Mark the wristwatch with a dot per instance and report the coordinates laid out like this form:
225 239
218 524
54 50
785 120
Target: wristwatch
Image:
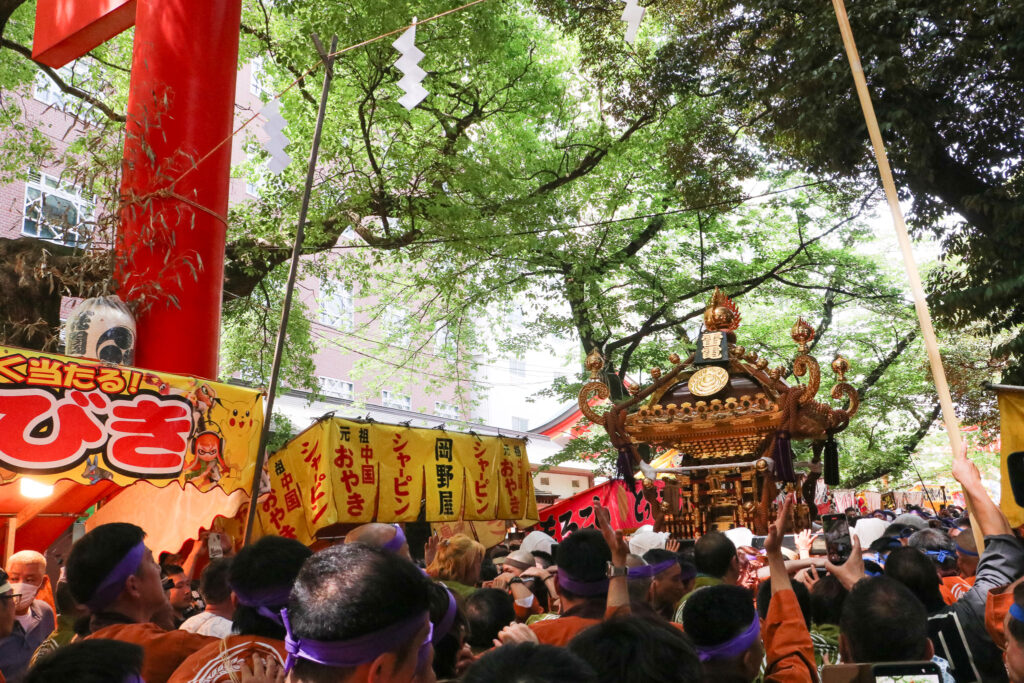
515 580
614 571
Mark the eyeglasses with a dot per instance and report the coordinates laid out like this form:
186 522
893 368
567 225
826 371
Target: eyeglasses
16 597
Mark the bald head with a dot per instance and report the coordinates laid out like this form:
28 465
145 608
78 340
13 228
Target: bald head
377 535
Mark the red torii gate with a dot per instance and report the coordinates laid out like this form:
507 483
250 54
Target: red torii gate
180 107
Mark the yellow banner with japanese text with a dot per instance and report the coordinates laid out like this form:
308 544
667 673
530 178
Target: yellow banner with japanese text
80 419
351 472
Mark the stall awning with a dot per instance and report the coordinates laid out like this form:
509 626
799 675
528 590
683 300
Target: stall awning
348 472
86 428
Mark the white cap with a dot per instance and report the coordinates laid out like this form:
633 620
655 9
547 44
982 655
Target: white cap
647 539
740 536
869 530
537 540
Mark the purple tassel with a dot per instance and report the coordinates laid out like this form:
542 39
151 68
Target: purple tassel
624 467
784 458
831 461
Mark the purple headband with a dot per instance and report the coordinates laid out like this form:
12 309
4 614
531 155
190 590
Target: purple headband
396 543
965 551
649 571
733 647
267 601
1017 613
940 555
344 654
447 620
585 588
113 584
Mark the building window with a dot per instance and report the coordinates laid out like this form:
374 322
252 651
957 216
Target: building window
336 388
337 308
517 367
390 399
519 423
56 210
76 74
446 410
575 483
443 341
257 78
545 481
396 326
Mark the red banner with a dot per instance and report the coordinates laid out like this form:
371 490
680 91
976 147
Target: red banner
629 509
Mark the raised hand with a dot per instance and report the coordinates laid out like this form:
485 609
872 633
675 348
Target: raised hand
430 549
615 543
851 571
777 529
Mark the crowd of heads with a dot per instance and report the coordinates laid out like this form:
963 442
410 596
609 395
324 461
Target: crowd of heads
364 609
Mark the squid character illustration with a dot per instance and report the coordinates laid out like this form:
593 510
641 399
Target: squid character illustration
208 449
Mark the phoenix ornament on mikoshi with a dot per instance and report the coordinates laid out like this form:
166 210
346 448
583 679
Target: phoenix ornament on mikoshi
729 419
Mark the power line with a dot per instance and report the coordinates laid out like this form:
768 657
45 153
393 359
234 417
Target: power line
567 228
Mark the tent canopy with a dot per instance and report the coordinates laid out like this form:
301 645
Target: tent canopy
87 428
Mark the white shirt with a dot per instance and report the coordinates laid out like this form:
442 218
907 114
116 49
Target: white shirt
207 624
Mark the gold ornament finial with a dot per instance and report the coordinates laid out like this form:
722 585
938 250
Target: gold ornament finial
674 359
802 333
840 366
594 363
656 373
721 314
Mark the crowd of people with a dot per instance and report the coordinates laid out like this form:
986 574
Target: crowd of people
593 608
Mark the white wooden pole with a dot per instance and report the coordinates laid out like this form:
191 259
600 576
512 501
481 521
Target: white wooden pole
924 318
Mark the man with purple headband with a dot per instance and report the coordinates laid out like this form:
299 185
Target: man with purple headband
724 626
358 613
388 537
261 577
113 573
584 568
668 581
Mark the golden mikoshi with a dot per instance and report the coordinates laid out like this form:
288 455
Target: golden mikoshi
729 419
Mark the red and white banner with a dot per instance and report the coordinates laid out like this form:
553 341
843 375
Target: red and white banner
629 509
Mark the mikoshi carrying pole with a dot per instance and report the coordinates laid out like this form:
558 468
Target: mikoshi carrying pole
924 318
328 59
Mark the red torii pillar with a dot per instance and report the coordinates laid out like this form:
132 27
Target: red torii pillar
180 107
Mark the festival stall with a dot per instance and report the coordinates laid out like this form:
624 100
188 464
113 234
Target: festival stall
74 432
342 471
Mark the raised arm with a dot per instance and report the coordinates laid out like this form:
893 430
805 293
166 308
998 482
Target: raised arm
618 589
984 512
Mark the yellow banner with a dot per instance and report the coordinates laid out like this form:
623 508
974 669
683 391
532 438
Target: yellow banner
80 419
356 465
282 512
342 471
445 473
482 485
1011 435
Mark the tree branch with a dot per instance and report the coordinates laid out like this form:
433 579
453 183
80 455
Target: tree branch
64 85
924 425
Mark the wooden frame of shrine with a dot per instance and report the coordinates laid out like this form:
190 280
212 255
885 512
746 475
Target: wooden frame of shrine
731 419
